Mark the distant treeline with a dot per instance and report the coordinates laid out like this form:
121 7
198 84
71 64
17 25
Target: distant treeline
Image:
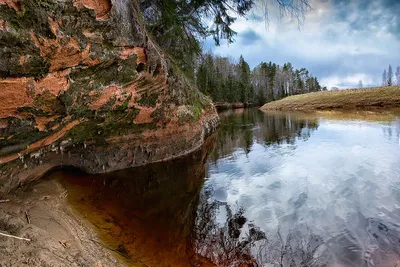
389 78
228 81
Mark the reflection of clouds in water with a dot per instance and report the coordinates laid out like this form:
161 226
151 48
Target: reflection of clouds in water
345 168
221 215
398 129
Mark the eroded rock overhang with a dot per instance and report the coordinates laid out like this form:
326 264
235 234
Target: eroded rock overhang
82 84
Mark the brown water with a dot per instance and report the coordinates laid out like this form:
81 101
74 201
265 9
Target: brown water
278 189
146 214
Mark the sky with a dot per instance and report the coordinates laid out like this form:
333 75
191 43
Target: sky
340 41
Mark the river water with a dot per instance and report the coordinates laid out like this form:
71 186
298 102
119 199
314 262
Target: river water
269 189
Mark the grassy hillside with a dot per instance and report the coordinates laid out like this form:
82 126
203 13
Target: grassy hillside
378 97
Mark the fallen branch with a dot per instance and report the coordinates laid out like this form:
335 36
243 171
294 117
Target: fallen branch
64 194
27 217
16 237
4 200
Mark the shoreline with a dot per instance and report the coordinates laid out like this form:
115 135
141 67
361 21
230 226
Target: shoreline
375 98
59 235
225 105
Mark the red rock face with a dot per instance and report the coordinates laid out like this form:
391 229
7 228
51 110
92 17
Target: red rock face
74 82
20 92
100 7
14 93
111 91
64 52
127 51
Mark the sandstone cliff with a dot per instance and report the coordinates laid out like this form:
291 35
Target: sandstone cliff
83 84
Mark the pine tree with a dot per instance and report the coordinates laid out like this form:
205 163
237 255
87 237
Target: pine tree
384 78
271 70
398 75
390 76
201 77
244 80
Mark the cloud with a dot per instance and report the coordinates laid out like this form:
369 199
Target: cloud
255 17
249 37
346 81
340 42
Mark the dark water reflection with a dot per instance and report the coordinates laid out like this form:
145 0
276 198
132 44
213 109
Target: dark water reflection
241 128
146 214
277 190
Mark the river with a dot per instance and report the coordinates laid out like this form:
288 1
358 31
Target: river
269 189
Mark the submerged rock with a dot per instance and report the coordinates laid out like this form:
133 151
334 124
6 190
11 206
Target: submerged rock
83 84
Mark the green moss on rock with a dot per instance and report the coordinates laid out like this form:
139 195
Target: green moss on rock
114 71
147 99
125 104
33 16
14 45
33 110
85 131
20 133
107 124
51 103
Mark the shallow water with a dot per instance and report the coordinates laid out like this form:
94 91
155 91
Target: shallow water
277 189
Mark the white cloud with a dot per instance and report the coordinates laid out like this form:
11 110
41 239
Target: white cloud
349 81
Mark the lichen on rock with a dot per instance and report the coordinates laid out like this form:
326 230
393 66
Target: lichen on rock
83 84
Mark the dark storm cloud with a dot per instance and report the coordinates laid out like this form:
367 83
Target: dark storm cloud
366 14
249 37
